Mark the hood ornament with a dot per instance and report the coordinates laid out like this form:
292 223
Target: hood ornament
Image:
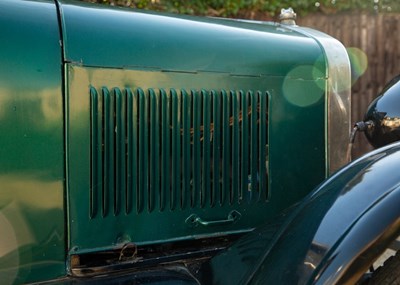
288 17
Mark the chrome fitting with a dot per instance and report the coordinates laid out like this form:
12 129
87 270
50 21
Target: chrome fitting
288 17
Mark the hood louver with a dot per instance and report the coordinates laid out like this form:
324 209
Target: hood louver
167 149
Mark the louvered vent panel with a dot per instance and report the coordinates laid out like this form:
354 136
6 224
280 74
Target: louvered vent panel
158 150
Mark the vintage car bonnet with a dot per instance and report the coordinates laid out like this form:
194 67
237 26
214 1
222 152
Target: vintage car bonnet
186 153
137 130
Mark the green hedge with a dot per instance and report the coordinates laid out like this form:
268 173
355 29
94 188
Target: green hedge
232 8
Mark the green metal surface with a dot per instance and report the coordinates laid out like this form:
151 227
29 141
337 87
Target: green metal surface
119 38
168 120
173 168
32 237
113 151
173 92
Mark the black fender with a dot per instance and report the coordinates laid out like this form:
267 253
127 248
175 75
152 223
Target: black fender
331 237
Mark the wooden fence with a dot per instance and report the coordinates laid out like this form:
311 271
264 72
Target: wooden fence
378 36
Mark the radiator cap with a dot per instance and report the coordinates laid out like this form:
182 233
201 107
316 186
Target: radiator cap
288 17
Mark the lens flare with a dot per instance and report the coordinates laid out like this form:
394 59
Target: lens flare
358 61
304 86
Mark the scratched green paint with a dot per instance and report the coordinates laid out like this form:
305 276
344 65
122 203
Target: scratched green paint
115 48
32 239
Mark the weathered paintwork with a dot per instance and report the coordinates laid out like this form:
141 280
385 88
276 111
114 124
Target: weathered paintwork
332 237
58 58
32 213
121 49
120 38
32 225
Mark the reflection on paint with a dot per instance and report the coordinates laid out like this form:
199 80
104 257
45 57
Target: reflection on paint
8 243
97 77
31 226
358 61
304 92
29 191
46 104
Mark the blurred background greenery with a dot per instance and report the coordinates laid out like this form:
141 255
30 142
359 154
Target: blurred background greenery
256 8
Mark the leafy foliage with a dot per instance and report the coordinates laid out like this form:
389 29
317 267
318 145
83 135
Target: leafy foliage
233 8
